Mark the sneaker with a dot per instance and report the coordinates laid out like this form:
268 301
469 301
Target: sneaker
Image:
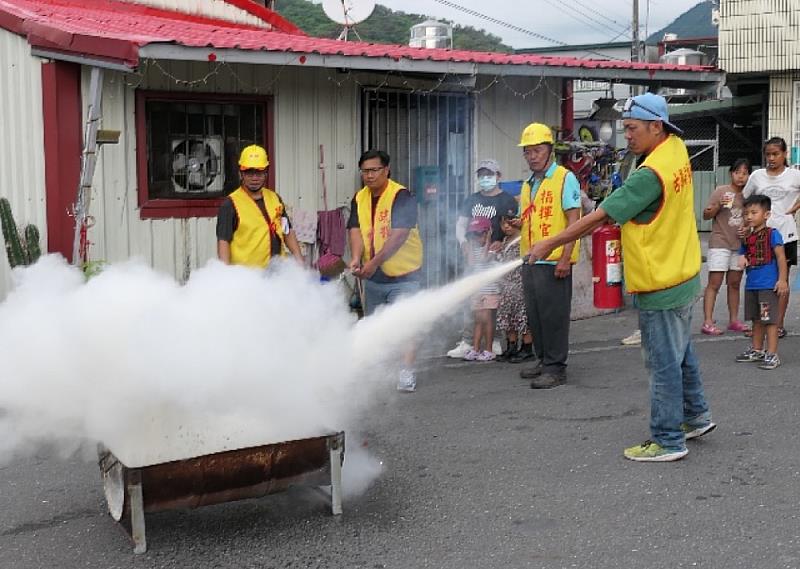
497 348
407 381
750 355
485 356
460 350
471 355
634 339
691 432
649 451
771 361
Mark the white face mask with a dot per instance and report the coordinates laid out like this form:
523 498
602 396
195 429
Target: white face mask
486 183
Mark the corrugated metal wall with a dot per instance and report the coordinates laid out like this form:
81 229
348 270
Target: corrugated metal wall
208 8
312 107
759 35
502 112
309 110
21 139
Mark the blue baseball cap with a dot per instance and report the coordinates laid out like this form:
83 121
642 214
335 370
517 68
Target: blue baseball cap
649 107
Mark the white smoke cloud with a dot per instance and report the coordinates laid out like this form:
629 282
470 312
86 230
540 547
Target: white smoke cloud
157 371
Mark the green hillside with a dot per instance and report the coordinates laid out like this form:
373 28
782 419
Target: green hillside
383 26
694 23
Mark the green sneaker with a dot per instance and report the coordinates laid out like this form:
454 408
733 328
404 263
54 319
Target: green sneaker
649 451
692 432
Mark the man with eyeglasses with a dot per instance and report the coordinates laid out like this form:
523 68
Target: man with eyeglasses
252 224
661 251
550 202
385 246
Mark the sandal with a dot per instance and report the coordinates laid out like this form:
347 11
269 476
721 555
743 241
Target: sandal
711 330
739 326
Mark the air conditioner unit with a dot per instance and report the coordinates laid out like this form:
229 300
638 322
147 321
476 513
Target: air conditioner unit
198 165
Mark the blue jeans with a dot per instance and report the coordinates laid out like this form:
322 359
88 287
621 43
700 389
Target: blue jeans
376 294
676 388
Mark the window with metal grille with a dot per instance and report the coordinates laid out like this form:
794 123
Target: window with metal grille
188 149
427 136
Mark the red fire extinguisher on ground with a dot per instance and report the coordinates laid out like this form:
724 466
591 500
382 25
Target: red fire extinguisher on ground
607 266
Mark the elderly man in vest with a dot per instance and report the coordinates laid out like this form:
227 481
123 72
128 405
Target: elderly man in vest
661 250
252 225
550 201
385 245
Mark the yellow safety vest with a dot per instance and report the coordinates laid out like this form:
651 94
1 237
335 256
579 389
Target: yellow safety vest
545 217
252 243
665 251
375 232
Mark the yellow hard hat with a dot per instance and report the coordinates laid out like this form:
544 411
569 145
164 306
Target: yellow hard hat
536 133
254 157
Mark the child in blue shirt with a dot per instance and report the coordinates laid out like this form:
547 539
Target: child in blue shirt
764 260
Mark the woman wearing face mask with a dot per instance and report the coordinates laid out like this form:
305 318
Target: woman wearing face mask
489 201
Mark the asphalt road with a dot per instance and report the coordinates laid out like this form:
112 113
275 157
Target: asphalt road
481 472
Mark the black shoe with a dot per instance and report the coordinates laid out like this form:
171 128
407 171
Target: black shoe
511 352
549 380
531 372
523 355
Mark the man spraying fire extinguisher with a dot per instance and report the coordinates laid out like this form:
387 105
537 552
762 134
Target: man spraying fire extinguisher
655 207
550 202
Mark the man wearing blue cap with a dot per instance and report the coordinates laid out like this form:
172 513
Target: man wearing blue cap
655 207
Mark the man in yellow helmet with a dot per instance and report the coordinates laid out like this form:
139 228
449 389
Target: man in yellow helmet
661 249
252 224
550 201
385 245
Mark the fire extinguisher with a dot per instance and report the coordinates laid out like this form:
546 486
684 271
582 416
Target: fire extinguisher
607 266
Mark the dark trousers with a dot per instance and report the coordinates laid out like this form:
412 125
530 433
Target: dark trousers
548 301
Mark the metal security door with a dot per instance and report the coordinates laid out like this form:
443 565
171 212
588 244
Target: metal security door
428 139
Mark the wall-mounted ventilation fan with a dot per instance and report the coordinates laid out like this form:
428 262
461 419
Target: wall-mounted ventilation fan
197 165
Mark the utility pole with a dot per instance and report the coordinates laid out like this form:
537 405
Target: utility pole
635 28
635 52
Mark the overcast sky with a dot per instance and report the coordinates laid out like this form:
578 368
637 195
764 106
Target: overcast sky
568 21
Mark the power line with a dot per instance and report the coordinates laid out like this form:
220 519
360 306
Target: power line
515 28
616 23
498 22
579 16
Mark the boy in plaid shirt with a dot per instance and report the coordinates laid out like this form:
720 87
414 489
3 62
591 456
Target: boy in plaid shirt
764 260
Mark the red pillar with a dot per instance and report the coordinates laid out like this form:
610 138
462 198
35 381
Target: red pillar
61 109
567 110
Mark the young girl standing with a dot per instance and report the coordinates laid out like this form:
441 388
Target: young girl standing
782 185
486 301
725 210
511 316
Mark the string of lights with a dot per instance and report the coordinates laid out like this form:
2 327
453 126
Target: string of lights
441 83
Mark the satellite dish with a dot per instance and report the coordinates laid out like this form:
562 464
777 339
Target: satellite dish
348 13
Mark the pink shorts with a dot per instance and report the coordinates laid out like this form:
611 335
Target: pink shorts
485 301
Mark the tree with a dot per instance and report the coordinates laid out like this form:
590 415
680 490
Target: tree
383 26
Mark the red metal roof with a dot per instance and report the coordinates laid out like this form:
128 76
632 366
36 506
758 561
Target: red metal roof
116 30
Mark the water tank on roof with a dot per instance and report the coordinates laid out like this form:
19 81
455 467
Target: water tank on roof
431 33
684 56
